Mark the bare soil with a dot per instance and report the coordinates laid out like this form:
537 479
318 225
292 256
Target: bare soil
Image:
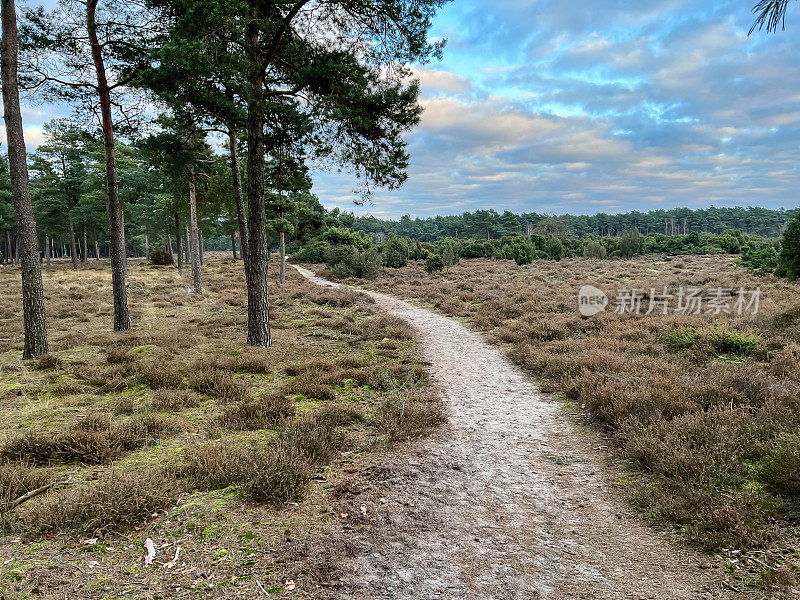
509 500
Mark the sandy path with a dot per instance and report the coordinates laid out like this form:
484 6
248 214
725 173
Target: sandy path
507 501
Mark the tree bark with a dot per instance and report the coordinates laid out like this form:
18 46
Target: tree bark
194 240
233 244
48 249
73 245
34 319
147 246
96 250
257 262
85 254
202 249
187 251
122 317
9 252
241 214
283 256
178 240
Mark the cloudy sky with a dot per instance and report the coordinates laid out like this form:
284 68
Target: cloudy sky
595 105
601 105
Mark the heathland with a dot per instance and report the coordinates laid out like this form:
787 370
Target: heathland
178 432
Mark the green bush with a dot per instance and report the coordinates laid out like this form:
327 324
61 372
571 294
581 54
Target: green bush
418 251
316 251
630 245
433 263
364 265
594 250
735 342
780 468
519 249
395 252
2 258
449 257
762 259
730 243
554 248
341 236
681 339
723 342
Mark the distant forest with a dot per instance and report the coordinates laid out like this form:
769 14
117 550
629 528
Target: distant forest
488 224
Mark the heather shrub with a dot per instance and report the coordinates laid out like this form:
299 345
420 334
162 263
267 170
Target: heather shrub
161 257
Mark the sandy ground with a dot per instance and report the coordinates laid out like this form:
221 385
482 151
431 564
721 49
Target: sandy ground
509 500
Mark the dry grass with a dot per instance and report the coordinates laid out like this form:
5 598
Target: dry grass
261 413
273 473
95 440
219 384
174 400
413 417
119 500
281 475
16 480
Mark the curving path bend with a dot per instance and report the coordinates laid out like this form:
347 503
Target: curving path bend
508 500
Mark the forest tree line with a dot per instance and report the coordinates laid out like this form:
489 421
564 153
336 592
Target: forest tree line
489 224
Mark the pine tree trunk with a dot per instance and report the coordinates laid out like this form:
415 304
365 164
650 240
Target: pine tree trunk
283 256
187 247
194 240
85 254
178 240
48 249
96 250
147 247
233 244
122 317
257 262
202 250
241 214
124 245
34 319
73 245
9 252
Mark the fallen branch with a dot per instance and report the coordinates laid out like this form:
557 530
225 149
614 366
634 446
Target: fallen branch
29 495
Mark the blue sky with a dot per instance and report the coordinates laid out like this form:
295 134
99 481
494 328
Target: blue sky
595 105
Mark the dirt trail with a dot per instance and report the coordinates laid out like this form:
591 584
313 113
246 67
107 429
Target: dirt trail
507 501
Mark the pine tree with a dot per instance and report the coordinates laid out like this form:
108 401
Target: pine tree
32 290
789 261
